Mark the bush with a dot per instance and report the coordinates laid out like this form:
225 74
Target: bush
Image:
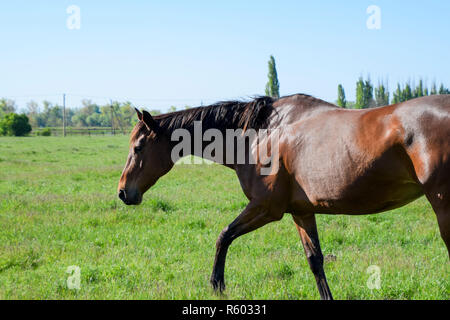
45 132
14 124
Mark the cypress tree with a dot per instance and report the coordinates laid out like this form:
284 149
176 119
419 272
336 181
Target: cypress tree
272 86
341 102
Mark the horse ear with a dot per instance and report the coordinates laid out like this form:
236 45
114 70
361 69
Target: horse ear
151 123
139 114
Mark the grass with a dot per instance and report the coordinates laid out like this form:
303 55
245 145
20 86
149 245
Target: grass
58 208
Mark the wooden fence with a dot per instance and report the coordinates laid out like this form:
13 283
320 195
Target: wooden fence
85 131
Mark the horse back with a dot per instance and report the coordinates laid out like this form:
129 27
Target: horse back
347 161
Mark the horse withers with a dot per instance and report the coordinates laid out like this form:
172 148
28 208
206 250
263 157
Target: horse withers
329 161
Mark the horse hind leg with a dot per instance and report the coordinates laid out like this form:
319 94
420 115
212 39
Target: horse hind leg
307 229
437 192
443 218
440 202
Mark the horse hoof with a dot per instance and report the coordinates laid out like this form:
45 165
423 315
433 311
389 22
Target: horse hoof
218 285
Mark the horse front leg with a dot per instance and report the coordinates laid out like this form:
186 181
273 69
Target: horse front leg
307 228
252 217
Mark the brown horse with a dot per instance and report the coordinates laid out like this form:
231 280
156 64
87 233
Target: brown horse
331 161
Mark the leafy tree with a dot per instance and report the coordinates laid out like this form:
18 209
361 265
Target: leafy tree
13 124
51 116
89 107
88 115
127 114
79 120
55 116
272 86
32 113
94 120
7 106
341 102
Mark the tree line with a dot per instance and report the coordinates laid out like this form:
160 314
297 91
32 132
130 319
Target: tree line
89 114
368 96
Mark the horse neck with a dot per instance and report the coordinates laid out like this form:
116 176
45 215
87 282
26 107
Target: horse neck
217 119
192 134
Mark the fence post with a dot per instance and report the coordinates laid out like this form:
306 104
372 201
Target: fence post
64 115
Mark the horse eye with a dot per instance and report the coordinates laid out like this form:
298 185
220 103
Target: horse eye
137 149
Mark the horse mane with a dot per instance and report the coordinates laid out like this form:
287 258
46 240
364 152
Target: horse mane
222 115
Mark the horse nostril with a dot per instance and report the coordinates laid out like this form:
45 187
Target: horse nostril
122 194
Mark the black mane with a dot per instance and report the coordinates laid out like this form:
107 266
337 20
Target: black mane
222 115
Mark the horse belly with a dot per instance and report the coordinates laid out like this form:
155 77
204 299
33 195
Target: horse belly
350 185
367 200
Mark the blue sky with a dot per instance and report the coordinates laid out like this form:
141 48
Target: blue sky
162 53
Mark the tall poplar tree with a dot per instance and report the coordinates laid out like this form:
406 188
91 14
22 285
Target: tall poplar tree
341 101
407 92
418 92
364 94
272 86
359 104
368 94
433 89
381 95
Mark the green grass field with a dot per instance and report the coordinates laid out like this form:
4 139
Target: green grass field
58 208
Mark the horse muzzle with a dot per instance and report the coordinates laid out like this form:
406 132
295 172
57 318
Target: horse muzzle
130 197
